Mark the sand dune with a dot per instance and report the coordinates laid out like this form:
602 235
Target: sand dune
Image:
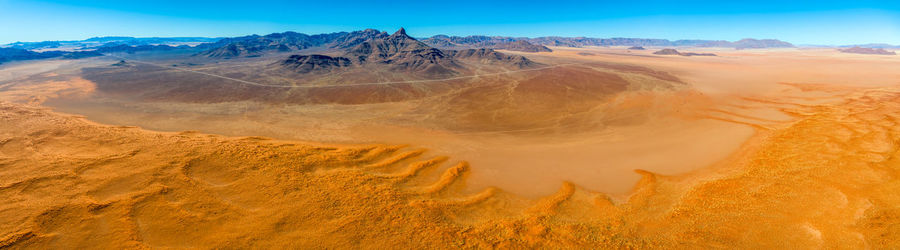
748 150
825 180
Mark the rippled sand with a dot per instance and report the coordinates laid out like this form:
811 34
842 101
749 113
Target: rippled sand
819 170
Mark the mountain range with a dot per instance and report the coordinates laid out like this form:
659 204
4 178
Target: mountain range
506 43
874 46
256 45
668 52
870 51
485 41
95 42
349 39
14 54
414 57
398 53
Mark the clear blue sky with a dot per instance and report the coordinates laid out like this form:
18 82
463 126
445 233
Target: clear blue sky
799 22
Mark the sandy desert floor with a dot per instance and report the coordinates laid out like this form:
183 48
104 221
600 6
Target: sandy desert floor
775 148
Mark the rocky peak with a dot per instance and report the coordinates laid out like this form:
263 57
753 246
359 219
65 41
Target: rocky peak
401 36
400 32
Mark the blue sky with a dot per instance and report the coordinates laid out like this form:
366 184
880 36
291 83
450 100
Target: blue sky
800 22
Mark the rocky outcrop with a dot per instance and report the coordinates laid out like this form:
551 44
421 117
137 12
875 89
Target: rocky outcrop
667 52
636 48
121 63
315 63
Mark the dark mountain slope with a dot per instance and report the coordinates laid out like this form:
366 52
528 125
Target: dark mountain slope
256 45
403 53
489 56
355 38
314 63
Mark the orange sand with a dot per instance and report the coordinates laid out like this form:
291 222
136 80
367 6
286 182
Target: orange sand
826 180
819 170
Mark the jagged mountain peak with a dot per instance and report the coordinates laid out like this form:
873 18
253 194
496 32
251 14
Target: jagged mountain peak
400 32
401 35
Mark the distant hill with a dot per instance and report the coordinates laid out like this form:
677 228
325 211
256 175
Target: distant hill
13 54
80 54
123 48
496 42
667 52
870 51
505 43
492 42
457 42
254 45
95 42
875 46
489 56
749 43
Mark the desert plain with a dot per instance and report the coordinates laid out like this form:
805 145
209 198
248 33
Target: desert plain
597 146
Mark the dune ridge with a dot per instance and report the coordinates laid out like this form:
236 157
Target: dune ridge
825 179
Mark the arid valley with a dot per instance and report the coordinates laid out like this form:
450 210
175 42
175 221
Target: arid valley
362 138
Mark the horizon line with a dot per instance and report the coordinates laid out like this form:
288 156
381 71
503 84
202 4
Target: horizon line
424 37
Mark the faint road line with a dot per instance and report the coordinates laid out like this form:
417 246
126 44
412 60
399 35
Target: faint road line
344 85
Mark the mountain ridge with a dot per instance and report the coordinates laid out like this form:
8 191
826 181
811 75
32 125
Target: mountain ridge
401 52
869 51
746 43
210 42
14 54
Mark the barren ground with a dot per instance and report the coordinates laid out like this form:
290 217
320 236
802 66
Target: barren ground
757 149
